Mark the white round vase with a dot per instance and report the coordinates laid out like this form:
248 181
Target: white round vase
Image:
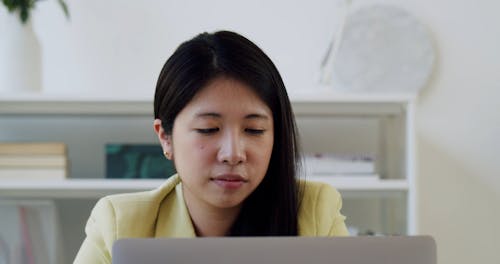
20 58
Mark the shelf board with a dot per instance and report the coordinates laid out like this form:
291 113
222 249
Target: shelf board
313 95
326 95
96 188
362 183
74 188
319 102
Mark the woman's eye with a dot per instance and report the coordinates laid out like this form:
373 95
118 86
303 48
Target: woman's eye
207 130
255 131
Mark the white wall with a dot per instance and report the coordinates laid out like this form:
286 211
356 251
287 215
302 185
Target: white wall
120 46
458 132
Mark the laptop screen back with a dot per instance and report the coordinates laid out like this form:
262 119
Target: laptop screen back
277 250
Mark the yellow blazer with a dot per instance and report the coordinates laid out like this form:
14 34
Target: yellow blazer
163 213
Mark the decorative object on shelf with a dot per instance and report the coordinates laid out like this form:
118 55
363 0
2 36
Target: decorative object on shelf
4 251
33 161
144 161
20 52
380 48
28 231
20 55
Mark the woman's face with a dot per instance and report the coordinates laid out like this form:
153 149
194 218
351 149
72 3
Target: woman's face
221 143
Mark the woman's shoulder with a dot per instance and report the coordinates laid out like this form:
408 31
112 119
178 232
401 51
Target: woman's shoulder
319 212
122 215
122 212
157 194
318 194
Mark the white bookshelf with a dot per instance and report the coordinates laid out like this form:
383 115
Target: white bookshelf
328 122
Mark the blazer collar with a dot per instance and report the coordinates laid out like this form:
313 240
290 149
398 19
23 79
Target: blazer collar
173 216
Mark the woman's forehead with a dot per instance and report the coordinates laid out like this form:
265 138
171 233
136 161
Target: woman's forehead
223 95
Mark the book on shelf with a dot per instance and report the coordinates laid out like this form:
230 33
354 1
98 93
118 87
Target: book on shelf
33 173
137 161
34 160
32 148
32 230
331 164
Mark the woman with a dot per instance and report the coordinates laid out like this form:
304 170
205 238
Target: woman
222 115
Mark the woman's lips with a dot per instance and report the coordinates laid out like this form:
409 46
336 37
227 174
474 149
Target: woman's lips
229 181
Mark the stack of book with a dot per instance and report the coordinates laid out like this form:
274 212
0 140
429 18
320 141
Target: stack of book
330 164
33 161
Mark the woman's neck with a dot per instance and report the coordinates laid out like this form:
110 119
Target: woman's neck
207 219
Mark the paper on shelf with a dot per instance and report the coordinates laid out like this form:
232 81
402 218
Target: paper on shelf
335 164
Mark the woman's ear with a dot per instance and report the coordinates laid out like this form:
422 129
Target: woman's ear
165 140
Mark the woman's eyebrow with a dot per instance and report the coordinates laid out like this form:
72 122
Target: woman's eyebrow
217 115
256 116
208 114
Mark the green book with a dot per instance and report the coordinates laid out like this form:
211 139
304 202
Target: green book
127 161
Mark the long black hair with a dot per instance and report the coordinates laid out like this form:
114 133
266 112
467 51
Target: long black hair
272 209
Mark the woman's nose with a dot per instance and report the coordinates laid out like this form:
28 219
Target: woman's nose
232 149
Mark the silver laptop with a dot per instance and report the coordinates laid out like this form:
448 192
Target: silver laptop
277 250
